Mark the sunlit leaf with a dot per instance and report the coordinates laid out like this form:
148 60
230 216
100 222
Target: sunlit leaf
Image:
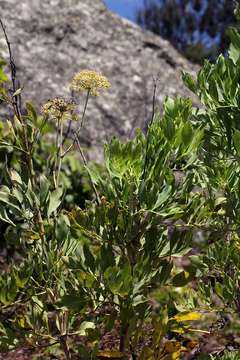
187 316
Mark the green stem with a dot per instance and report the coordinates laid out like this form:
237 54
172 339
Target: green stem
59 154
89 175
80 127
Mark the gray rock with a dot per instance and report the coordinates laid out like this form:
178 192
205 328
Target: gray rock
53 39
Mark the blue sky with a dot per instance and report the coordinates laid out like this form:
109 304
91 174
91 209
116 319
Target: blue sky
126 8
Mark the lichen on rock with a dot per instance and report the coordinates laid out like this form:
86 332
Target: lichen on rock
54 39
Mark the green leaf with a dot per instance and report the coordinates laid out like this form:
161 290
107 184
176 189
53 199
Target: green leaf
44 189
162 197
189 82
233 53
119 280
187 134
4 216
73 301
10 201
3 76
168 128
17 92
54 201
31 112
15 177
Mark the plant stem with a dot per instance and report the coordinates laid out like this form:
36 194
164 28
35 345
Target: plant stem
13 73
57 149
123 334
64 345
80 127
59 154
89 175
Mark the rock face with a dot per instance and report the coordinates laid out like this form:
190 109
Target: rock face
53 39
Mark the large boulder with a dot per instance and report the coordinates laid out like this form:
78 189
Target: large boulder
53 39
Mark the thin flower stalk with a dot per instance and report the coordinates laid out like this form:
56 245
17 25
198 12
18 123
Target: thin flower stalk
93 83
89 175
60 110
80 127
60 153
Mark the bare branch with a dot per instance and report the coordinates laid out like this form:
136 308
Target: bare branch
15 99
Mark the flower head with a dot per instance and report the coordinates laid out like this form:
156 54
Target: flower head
59 109
90 81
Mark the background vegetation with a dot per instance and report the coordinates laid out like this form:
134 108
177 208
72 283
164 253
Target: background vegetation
195 27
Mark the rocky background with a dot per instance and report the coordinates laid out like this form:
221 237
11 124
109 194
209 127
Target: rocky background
53 39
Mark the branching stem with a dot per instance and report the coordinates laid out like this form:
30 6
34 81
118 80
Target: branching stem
90 178
77 132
